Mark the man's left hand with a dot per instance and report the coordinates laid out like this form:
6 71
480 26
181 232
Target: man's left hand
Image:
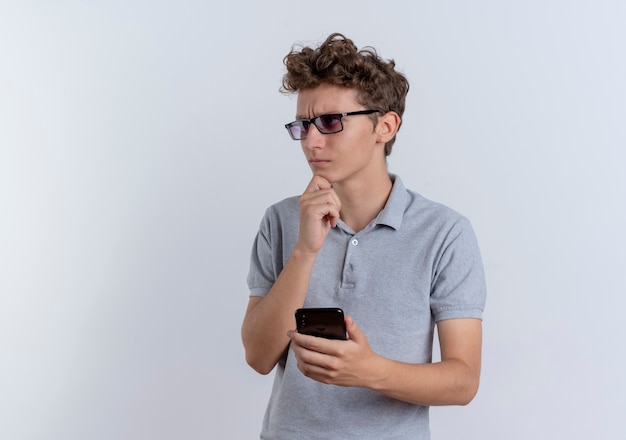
345 363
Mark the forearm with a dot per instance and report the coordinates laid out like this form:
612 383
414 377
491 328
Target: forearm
352 363
449 382
265 326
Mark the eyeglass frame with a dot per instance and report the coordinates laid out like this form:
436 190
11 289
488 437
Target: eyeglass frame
312 121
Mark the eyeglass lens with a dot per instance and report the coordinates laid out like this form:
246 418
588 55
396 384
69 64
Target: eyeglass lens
326 124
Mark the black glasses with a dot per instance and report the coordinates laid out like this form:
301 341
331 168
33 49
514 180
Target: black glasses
326 124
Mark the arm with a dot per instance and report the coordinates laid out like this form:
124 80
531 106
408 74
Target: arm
268 318
453 381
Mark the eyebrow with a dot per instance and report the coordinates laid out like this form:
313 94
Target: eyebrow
300 117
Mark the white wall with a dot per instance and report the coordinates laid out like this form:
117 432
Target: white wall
141 141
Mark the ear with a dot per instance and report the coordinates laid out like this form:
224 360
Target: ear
387 127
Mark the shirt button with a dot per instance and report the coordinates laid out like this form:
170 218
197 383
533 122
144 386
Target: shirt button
355 242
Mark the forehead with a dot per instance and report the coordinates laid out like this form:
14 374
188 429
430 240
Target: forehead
326 98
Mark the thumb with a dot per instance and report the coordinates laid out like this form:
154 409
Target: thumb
354 332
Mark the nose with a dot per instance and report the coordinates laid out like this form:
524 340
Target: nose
314 139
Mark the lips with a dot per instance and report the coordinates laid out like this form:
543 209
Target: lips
318 161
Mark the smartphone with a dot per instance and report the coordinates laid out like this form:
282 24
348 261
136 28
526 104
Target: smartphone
321 322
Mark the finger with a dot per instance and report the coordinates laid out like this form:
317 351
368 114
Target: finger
335 218
354 332
319 197
313 371
323 203
337 203
326 197
317 183
312 343
322 211
310 361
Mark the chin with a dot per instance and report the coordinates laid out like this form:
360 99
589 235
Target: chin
325 174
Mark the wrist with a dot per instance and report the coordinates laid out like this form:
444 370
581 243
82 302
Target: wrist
379 373
300 252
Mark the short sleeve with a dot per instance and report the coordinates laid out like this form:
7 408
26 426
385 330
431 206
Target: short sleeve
262 273
458 287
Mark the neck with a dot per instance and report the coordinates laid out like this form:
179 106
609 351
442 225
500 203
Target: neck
361 202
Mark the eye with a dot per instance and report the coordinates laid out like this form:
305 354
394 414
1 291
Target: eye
330 122
298 129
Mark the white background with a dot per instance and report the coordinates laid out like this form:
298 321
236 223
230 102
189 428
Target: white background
141 141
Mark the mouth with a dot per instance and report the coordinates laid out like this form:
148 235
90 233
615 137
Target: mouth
318 162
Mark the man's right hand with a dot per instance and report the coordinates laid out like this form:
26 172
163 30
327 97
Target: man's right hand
319 211
269 318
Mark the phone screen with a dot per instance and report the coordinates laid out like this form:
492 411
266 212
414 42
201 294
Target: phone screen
321 322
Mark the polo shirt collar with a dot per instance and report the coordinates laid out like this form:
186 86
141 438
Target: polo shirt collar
392 213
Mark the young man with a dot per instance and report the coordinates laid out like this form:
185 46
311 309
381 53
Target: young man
395 262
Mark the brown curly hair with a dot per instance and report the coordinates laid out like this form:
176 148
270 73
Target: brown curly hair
337 61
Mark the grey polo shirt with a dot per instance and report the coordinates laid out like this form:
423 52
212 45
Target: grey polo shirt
417 263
